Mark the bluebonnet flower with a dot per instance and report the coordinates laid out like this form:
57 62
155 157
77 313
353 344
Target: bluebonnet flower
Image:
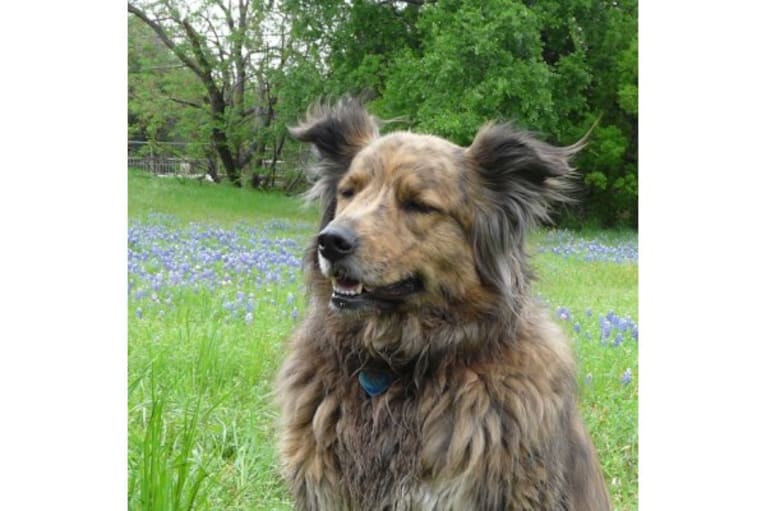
249 318
164 255
562 313
622 324
139 313
627 377
576 328
567 244
588 312
588 379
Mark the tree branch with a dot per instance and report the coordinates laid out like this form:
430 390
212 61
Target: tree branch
221 50
184 102
166 40
215 93
227 12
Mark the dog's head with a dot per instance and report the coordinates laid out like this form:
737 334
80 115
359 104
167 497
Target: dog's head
414 221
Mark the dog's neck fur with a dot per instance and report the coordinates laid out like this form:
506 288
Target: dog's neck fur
412 342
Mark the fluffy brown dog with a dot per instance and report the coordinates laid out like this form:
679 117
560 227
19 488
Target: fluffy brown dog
424 377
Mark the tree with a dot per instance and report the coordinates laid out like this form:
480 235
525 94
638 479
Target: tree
606 31
232 51
477 61
163 99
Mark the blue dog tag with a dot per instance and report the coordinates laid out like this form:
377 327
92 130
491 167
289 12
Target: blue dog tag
374 383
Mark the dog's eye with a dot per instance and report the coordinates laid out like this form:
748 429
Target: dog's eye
414 206
346 193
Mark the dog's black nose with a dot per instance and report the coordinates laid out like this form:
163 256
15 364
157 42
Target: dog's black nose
335 243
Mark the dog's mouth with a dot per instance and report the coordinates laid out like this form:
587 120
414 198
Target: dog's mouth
349 293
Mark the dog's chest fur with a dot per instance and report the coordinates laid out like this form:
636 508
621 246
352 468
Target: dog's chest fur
474 435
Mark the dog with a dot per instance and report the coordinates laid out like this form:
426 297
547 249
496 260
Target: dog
425 376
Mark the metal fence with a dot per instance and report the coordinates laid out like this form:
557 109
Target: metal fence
165 158
172 159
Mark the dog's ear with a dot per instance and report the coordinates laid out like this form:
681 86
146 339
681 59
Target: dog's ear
518 177
337 132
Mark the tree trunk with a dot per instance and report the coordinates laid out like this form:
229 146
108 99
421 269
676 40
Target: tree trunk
212 165
220 140
277 151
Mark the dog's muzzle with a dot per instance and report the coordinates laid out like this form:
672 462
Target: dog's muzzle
337 243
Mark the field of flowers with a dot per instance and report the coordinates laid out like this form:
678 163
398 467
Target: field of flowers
211 302
167 259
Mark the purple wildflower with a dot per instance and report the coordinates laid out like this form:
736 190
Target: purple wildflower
600 248
622 324
627 377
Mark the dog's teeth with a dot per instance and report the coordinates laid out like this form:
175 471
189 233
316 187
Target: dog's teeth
347 290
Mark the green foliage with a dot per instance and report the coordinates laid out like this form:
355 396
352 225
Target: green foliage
477 60
162 94
613 188
628 90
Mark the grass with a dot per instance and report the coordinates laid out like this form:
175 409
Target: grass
199 200
214 290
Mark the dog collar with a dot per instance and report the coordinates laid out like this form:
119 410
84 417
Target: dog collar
374 383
